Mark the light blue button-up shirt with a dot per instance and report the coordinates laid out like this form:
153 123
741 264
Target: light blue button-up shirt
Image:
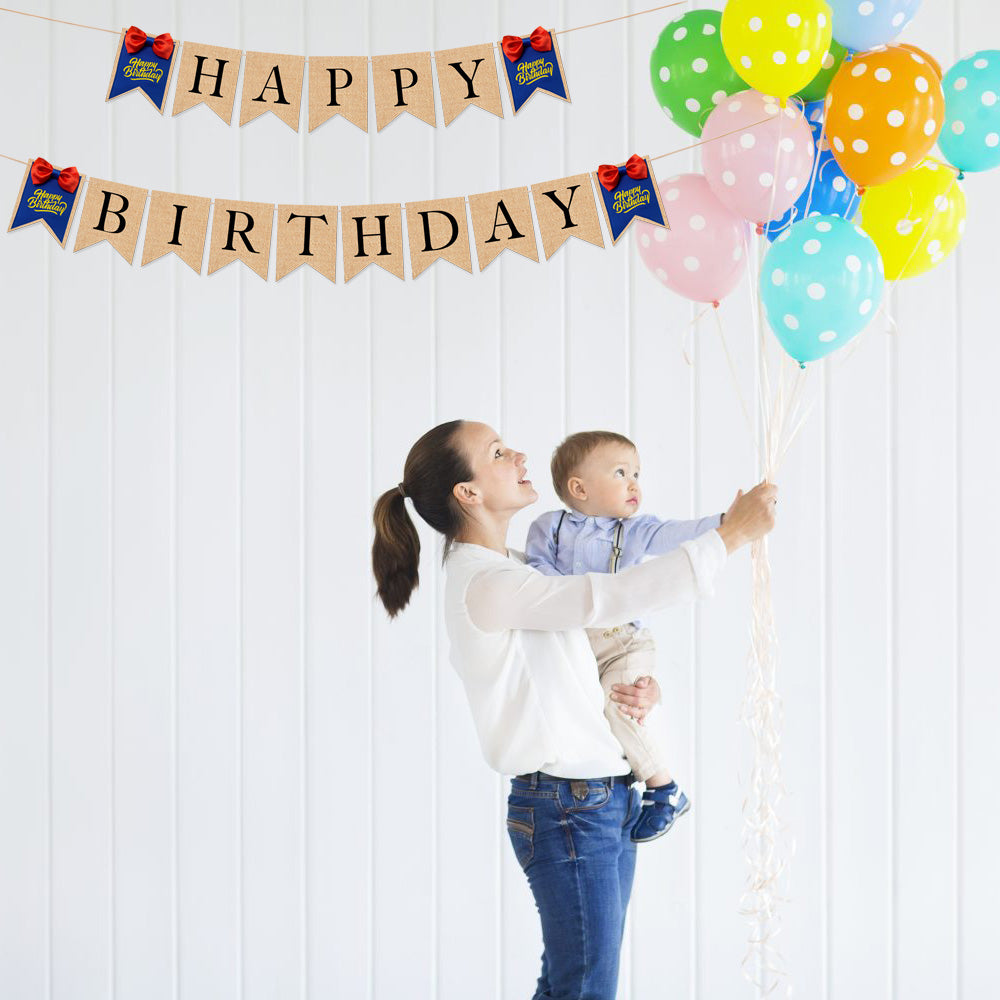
584 543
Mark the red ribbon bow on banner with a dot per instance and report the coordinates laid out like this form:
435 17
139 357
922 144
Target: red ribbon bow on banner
513 45
136 38
42 170
609 174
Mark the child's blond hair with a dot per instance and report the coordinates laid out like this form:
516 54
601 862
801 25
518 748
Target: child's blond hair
571 454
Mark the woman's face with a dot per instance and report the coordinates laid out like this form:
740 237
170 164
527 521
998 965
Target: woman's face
499 475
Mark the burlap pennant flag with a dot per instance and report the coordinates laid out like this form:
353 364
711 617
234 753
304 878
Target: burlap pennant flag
403 83
207 75
338 85
48 196
438 230
307 234
467 77
112 212
372 234
241 230
272 83
177 224
145 64
501 220
566 208
628 192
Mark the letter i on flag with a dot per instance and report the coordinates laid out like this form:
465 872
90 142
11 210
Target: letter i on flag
532 64
47 196
628 191
145 64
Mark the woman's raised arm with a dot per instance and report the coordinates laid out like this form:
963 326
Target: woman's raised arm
509 596
516 596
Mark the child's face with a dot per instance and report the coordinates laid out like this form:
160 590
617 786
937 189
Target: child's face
607 483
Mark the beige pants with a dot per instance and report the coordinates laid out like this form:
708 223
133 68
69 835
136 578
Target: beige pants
625 653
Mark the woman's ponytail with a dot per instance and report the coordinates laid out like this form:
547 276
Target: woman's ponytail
433 467
395 551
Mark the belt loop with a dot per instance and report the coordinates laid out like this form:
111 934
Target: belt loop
534 779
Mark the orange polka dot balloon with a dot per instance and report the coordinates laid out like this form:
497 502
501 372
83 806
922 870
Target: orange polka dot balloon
885 109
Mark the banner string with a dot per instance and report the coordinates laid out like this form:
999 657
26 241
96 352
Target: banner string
660 156
55 20
558 31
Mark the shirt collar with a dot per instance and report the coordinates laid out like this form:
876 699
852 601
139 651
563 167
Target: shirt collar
601 522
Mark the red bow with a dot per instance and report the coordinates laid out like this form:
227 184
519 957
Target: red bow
513 45
135 41
42 170
608 174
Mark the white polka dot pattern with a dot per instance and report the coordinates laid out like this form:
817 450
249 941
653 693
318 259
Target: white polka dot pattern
884 113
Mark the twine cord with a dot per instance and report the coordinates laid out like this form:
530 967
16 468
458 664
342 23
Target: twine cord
562 31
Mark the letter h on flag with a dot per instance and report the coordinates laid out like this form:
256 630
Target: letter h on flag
143 63
532 64
628 191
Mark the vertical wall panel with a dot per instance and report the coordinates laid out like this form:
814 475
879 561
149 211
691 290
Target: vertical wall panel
142 503
977 864
925 616
338 594
82 575
209 564
273 873
470 814
403 663
24 566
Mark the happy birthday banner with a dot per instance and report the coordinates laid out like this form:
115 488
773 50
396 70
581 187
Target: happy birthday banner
338 85
441 229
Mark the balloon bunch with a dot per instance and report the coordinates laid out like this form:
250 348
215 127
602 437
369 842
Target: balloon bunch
817 129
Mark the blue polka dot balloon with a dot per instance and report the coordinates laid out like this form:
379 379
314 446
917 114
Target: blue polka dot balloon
970 139
829 192
820 282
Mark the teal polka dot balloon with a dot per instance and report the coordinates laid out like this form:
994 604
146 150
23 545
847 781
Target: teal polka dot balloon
970 139
820 282
689 70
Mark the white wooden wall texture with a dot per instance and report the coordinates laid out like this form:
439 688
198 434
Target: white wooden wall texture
223 773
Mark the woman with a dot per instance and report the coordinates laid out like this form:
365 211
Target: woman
518 644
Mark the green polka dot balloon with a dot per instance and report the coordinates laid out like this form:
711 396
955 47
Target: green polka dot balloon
817 87
689 71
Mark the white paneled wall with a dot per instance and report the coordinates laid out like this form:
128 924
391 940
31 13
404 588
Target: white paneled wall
224 774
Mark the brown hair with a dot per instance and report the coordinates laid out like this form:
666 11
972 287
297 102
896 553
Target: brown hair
433 466
570 455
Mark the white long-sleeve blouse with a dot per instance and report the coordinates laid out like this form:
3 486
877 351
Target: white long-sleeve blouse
518 645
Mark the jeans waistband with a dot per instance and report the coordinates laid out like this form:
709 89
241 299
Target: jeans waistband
539 777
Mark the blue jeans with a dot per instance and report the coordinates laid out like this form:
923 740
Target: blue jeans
571 838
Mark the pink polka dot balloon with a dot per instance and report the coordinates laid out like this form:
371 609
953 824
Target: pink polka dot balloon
760 157
701 256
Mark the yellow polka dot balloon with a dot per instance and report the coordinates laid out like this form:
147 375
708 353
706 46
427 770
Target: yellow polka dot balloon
777 46
916 219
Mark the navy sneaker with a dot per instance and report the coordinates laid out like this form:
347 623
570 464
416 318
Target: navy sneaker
660 808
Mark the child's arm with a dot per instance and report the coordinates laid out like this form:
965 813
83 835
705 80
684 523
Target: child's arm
540 546
654 536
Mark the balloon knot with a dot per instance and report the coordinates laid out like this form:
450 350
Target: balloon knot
760 228
802 364
961 175
715 303
861 191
